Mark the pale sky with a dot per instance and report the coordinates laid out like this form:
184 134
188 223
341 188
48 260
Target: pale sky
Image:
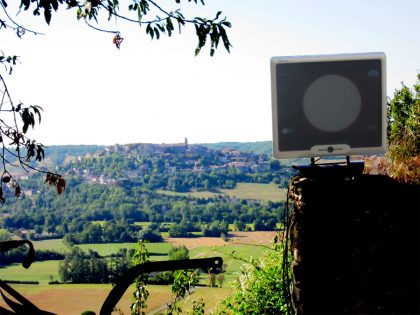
158 92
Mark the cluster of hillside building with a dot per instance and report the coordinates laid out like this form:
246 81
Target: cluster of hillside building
191 156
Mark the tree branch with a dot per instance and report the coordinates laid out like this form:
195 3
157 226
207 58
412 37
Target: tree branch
18 28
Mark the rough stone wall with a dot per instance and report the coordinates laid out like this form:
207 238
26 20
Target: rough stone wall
355 243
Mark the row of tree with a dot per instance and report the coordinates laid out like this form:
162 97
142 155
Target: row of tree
120 206
89 267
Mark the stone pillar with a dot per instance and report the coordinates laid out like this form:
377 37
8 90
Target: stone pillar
355 243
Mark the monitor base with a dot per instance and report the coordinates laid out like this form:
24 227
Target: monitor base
328 170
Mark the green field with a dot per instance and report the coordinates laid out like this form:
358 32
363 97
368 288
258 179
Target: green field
143 224
103 249
41 271
263 192
229 254
211 296
56 245
106 249
154 249
46 271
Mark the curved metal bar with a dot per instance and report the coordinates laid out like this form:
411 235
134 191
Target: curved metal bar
29 258
131 274
23 307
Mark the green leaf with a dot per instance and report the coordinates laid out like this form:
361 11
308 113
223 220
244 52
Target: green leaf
54 4
181 22
139 14
25 128
169 26
149 30
25 4
225 38
157 33
161 28
2 200
47 15
215 36
226 23
36 110
40 153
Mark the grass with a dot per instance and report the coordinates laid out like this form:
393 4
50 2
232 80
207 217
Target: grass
42 271
211 296
106 249
263 192
158 249
56 245
195 194
227 253
143 224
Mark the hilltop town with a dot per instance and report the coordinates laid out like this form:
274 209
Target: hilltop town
137 161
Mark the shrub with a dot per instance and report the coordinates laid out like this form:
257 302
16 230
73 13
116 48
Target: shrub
404 133
262 286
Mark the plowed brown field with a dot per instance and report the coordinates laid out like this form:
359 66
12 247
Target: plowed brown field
259 237
75 299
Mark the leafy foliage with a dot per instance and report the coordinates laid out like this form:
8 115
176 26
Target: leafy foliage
215 229
262 286
80 267
198 307
138 12
403 159
183 282
16 149
180 252
82 203
141 294
109 232
404 122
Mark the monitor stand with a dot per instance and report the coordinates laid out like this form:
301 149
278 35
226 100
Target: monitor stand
345 169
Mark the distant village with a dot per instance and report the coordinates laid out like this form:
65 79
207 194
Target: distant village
191 157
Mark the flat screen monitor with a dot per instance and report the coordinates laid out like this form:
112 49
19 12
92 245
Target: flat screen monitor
326 105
